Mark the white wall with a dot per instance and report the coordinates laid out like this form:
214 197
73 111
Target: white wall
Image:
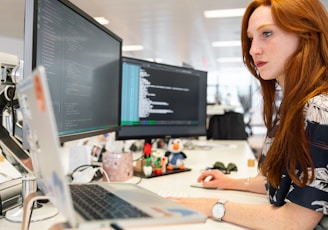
12 46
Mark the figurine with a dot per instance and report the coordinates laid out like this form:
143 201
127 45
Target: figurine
175 155
159 161
147 168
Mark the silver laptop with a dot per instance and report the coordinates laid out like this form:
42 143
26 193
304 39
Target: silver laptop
38 115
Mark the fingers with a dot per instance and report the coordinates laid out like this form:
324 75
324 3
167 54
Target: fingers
208 175
203 175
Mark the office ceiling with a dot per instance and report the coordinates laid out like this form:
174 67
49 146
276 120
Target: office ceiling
172 31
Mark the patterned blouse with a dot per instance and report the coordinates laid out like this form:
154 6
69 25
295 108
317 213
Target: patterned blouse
314 195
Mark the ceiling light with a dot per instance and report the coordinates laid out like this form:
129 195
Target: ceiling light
227 13
102 20
158 60
226 43
132 48
229 59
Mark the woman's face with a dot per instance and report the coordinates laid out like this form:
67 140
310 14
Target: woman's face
271 46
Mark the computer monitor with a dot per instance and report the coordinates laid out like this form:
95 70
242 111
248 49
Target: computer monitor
82 59
161 101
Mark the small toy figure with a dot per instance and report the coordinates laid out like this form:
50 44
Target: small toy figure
147 168
159 161
147 150
175 155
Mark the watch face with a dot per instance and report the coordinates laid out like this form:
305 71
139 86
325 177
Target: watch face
218 211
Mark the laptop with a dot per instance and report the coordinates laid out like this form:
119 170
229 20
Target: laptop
38 117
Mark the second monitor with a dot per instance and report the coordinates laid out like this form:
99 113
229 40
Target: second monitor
161 101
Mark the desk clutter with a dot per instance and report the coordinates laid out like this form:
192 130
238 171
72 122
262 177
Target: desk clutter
231 167
118 166
158 158
115 160
162 162
147 171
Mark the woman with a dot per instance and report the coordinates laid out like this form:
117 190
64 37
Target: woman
285 46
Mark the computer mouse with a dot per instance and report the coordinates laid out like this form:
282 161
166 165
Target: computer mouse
200 184
207 179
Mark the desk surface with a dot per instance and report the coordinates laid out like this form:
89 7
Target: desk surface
203 155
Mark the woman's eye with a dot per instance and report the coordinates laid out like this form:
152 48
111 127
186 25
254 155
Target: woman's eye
250 40
267 34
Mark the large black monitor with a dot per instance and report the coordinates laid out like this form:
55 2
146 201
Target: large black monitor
161 101
83 63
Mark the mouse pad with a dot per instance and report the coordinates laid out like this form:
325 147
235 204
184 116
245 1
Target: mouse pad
200 185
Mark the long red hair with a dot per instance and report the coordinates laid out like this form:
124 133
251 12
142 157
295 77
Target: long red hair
306 76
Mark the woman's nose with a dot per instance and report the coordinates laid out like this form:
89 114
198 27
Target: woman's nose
255 48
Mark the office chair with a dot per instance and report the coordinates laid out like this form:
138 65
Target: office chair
228 126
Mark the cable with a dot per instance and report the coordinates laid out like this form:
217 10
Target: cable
83 166
13 110
105 173
101 170
30 216
139 181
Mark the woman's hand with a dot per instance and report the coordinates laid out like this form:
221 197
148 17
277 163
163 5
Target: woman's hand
215 179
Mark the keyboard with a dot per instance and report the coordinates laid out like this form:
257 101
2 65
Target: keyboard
94 202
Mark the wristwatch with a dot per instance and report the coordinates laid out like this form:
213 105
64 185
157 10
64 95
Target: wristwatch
218 210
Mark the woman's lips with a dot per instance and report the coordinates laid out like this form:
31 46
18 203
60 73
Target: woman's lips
260 64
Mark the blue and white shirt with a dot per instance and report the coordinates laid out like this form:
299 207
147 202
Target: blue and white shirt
315 195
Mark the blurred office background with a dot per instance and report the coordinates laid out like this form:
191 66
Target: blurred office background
192 33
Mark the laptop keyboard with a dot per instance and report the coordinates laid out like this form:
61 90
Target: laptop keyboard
94 202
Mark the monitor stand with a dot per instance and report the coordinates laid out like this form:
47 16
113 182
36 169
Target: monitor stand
23 213
41 211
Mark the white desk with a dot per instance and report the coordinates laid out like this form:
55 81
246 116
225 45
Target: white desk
237 152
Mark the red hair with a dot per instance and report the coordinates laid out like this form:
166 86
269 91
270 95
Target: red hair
306 76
